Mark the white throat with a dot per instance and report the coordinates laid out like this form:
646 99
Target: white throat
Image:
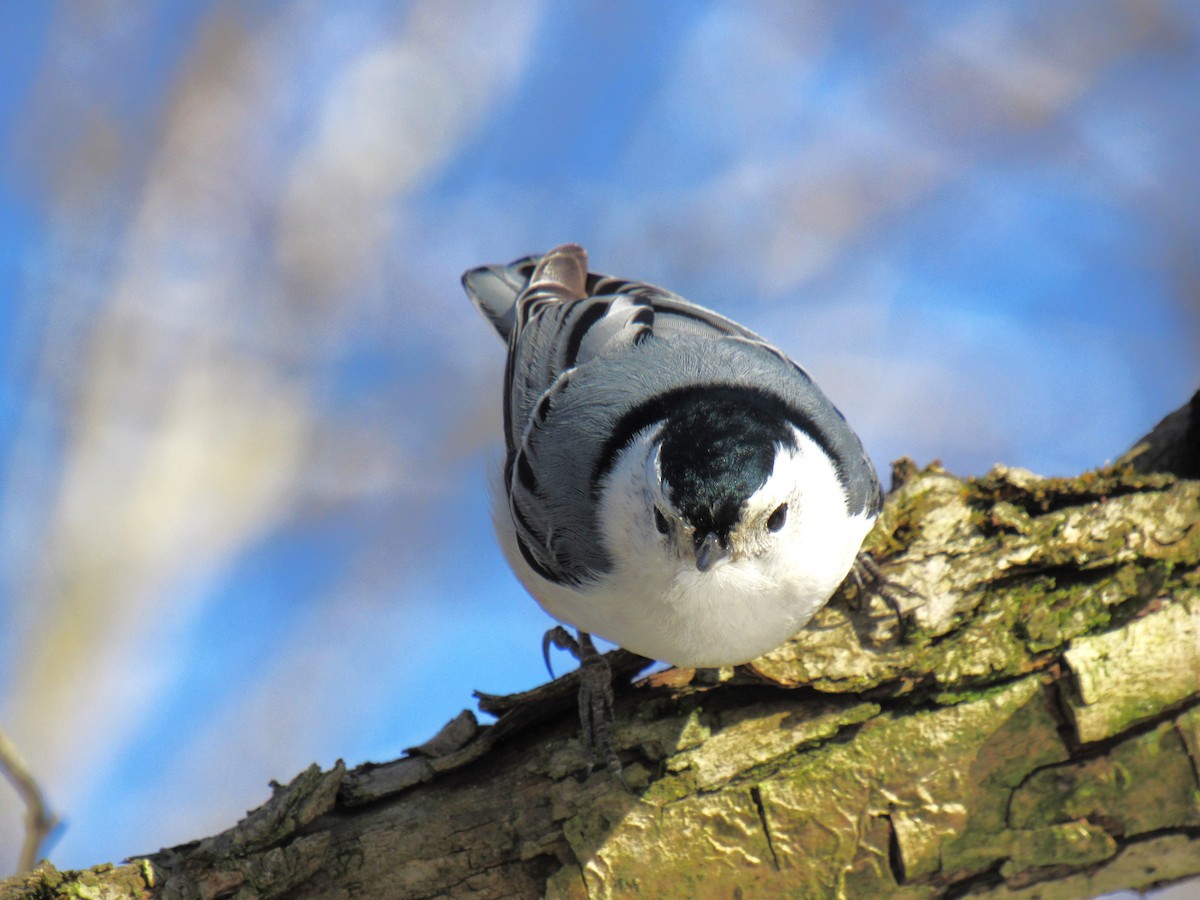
657 603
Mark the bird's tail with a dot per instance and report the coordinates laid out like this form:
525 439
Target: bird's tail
494 289
562 273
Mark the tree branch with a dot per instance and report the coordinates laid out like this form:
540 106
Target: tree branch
39 821
1036 733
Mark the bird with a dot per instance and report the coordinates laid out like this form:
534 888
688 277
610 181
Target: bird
672 482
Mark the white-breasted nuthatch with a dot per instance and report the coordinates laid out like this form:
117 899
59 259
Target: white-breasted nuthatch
673 483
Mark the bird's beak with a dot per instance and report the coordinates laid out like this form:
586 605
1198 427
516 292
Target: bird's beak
709 552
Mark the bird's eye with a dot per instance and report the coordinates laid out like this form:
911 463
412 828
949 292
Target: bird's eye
660 521
775 522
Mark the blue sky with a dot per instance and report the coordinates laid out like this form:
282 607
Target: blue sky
247 418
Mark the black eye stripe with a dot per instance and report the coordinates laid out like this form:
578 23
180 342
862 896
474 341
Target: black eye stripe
660 521
775 522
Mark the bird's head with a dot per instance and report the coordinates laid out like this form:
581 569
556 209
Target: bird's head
717 491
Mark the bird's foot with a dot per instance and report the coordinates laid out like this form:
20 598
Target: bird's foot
562 639
869 578
596 715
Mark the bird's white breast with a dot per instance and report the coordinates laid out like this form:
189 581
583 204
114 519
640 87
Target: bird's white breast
661 606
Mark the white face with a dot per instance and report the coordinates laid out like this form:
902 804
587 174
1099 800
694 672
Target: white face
791 529
763 524
660 603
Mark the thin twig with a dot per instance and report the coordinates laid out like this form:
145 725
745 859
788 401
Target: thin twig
39 821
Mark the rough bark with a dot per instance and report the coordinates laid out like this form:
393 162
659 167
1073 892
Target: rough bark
1033 732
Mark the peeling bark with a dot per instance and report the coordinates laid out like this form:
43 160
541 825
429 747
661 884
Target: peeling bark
1035 732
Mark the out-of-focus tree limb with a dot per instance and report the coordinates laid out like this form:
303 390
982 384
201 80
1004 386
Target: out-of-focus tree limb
1173 446
39 821
1036 734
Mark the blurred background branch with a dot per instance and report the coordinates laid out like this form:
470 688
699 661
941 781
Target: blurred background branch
39 821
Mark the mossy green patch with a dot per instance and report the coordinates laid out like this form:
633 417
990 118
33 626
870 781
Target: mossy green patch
1143 784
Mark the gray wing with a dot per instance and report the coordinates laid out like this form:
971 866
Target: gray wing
594 359
494 291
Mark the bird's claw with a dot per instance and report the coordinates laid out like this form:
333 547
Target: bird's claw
596 700
561 638
868 577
